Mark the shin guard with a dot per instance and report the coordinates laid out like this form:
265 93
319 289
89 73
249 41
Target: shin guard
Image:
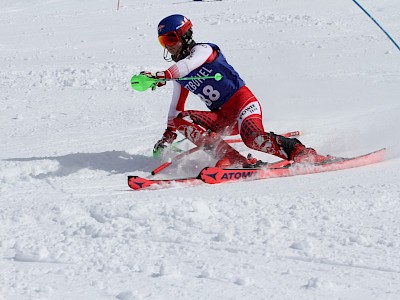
254 137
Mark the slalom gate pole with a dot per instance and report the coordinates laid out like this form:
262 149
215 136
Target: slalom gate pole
384 31
195 149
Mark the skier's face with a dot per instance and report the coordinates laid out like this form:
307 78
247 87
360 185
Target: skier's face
174 49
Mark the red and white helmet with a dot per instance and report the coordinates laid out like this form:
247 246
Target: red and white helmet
173 29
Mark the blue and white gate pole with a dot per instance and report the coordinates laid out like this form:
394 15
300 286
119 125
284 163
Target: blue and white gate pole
384 31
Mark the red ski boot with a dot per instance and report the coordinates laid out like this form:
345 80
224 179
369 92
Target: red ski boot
249 163
231 162
301 154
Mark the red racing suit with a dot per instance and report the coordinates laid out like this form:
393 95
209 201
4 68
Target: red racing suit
233 107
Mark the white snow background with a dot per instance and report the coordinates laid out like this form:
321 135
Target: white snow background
72 129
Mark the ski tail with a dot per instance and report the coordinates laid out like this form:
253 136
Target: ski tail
138 183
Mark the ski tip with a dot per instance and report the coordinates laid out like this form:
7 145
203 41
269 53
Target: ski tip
382 154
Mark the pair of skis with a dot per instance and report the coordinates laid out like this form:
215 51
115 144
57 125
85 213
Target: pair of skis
214 175
283 168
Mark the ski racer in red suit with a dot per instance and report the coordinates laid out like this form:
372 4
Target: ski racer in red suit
233 107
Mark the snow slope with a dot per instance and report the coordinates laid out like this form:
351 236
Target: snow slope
72 129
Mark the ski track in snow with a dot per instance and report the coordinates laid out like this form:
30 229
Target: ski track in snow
72 130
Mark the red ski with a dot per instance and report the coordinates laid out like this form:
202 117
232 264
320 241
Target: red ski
212 175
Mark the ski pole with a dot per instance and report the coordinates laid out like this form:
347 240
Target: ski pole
142 82
195 149
384 31
287 134
176 158
183 154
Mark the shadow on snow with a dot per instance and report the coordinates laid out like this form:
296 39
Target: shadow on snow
115 162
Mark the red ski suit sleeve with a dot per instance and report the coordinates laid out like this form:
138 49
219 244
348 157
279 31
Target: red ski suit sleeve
199 55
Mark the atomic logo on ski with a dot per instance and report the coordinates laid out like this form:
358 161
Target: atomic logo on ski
236 175
213 176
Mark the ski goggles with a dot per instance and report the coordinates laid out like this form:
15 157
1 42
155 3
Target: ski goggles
169 39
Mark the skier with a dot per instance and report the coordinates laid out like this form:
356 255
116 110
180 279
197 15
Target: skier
233 107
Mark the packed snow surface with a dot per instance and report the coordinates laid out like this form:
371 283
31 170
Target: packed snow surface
72 129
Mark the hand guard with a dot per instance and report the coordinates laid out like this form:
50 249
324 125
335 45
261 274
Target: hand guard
156 75
168 137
